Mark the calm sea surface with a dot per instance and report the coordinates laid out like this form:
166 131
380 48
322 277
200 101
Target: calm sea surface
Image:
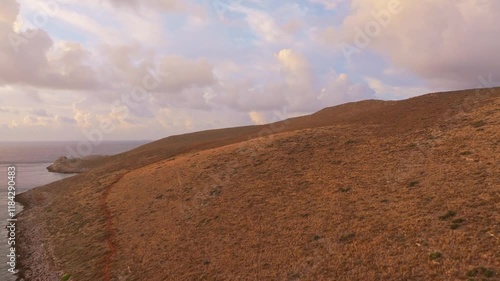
31 160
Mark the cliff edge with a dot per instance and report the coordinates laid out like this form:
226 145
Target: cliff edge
66 165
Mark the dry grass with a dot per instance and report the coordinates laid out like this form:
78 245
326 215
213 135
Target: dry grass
364 191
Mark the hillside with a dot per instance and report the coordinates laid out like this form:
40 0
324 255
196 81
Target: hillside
373 190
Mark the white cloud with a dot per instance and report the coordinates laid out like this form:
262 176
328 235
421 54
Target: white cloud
203 72
394 92
265 26
340 89
258 118
447 43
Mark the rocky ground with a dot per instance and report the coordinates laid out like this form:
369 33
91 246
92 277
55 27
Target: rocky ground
66 165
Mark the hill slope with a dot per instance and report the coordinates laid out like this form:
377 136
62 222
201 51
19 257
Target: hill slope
375 190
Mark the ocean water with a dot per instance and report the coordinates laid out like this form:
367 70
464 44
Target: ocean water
31 160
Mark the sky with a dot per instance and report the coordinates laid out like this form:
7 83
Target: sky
103 70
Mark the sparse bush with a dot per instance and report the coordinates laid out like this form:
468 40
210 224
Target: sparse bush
478 271
478 124
448 215
347 238
489 273
413 183
217 191
435 255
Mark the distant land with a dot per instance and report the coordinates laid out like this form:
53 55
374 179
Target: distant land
371 190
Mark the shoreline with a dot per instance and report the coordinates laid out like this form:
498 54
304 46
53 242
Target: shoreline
34 176
34 258
307 203
20 272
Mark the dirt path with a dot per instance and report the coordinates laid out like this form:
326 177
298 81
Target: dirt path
110 233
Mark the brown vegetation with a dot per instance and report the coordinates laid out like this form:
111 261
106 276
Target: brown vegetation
374 190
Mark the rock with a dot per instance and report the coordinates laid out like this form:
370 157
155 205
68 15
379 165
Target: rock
66 165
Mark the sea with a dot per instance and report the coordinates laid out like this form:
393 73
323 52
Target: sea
30 160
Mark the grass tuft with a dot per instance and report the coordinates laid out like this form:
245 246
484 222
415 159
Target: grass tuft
435 256
413 183
347 238
344 190
460 220
478 271
448 215
478 124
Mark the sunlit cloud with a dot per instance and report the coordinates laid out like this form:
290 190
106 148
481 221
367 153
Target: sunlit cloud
155 68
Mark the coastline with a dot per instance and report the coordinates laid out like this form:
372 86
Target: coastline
64 165
95 233
36 190
29 176
35 258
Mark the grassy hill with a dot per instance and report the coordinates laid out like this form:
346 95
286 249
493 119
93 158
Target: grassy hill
373 190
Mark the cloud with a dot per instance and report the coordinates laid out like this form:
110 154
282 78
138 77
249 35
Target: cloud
264 26
29 57
293 64
167 73
293 85
328 4
40 112
89 26
394 91
194 70
8 110
451 48
298 80
340 89
36 121
163 5
258 118
180 73
64 119
302 86
9 12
